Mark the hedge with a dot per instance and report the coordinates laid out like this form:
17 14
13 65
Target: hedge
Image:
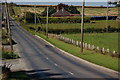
64 19
30 19
87 30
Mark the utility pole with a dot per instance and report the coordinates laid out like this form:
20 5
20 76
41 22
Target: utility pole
47 24
9 30
107 12
35 15
82 25
5 16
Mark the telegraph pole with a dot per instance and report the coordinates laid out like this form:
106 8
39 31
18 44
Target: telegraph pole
107 12
6 16
9 30
35 15
47 24
82 25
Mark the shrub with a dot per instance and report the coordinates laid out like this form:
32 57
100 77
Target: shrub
64 19
9 55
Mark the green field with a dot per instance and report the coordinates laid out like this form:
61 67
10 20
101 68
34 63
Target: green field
91 56
63 26
106 40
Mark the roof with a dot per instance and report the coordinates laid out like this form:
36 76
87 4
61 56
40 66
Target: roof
61 12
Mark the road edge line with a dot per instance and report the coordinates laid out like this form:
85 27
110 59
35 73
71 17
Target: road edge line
85 61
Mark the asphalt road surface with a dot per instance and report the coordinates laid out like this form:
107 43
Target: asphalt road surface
44 61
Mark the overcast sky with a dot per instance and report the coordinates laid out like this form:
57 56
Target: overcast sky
55 0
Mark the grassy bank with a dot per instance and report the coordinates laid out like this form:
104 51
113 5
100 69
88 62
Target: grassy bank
91 56
106 40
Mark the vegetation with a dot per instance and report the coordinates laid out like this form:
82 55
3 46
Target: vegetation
9 55
93 27
71 9
51 10
91 56
106 40
100 11
88 11
5 38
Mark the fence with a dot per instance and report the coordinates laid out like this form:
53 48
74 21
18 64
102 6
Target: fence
89 46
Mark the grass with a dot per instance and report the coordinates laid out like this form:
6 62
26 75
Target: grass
21 10
91 56
63 26
88 11
99 11
106 40
5 38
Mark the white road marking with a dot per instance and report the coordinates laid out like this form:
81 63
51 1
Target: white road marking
47 58
56 64
71 73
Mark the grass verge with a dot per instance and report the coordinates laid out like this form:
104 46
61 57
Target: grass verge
91 56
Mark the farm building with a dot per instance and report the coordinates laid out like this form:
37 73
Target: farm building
63 13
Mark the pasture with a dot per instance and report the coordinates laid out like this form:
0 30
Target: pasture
88 11
106 40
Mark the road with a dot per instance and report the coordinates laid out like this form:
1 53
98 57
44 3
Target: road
44 61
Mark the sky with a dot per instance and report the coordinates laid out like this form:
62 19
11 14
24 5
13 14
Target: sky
55 0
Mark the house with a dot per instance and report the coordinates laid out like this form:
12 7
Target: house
61 13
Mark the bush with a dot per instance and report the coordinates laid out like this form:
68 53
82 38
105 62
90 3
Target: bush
9 55
64 19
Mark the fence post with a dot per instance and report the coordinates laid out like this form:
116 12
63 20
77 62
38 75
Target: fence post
108 51
103 50
113 53
77 43
93 47
83 44
89 46
86 45
98 49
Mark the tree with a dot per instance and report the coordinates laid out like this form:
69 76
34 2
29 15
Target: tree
71 9
116 3
50 11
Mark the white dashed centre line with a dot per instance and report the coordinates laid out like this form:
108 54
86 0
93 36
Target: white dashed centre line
47 58
56 64
71 73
